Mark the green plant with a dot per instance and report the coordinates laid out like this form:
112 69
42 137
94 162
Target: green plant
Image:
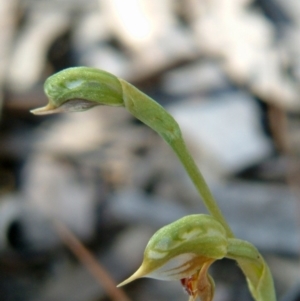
186 248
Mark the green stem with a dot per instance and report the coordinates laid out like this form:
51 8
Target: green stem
193 171
155 116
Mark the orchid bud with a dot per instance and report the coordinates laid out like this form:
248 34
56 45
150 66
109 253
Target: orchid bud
78 89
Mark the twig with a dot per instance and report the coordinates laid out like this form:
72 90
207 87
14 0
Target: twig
278 122
91 263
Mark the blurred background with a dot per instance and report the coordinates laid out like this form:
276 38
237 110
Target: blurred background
228 71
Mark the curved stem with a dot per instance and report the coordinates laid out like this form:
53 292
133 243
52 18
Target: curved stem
193 171
155 116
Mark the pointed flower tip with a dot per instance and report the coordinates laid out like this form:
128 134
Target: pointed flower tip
138 274
48 109
125 282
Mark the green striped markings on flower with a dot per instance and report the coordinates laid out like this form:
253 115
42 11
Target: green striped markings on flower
185 249
177 250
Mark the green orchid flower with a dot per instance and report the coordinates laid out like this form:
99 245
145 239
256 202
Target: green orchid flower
185 249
